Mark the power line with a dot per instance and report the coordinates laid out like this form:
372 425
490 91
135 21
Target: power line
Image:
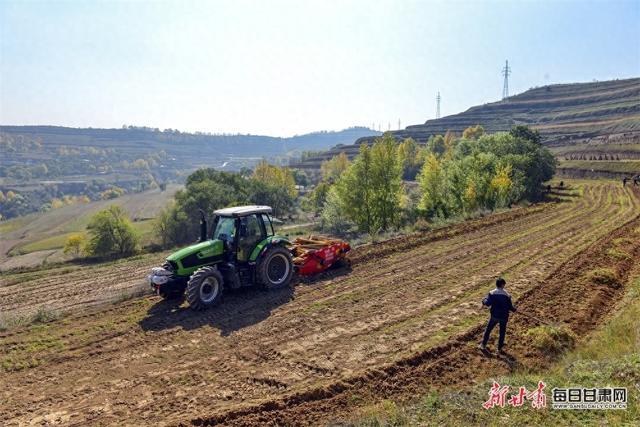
438 105
506 71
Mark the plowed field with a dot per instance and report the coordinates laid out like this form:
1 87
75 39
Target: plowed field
147 362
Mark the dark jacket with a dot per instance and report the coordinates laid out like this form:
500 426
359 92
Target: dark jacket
500 302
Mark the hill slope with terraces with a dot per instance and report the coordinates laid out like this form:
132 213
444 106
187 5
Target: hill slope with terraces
579 115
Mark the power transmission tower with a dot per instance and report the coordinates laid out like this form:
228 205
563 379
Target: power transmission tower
438 105
505 72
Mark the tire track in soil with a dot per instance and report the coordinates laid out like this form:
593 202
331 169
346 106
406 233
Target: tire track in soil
284 349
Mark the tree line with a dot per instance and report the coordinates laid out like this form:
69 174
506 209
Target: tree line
455 176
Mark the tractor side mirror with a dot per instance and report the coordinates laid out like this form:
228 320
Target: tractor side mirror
226 240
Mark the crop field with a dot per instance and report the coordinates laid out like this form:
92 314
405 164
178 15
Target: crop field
631 167
397 320
37 238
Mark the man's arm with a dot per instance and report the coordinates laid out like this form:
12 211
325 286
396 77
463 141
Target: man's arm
487 300
511 307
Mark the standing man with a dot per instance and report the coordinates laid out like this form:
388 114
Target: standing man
500 303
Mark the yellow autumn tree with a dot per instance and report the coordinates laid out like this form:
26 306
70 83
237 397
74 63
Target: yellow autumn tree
473 132
433 184
501 184
75 244
449 144
275 175
56 203
470 197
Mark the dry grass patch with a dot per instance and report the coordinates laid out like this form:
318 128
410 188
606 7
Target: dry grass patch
618 254
604 277
552 340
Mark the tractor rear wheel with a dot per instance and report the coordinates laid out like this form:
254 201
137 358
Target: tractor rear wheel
204 288
275 270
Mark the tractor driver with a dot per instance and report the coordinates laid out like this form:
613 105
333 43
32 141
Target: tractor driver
225 230
250 234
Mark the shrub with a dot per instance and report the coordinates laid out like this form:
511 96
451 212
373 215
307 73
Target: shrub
605 277
45 315
552 340
75 244
112 234
422 225
618 254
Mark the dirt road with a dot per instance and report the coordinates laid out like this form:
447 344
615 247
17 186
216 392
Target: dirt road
149 362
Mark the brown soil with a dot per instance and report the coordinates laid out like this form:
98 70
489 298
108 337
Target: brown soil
403 318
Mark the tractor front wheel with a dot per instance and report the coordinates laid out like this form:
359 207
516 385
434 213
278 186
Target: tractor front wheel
276 268
204 288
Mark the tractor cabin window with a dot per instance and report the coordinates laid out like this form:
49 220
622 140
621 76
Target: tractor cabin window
251 233
267 225
225 229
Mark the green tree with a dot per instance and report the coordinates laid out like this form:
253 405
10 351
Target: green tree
300 177
334 168
370 190
525 132
209 190
532 164
333 219
386 182
316 199
111 234
169 226
411 158
276 196
436 145
355 192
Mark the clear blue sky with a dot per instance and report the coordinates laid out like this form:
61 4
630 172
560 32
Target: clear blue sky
287 67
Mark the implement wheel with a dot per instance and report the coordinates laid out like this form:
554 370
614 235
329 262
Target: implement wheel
204 288
276 268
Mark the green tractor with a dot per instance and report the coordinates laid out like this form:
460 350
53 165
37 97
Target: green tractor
242 250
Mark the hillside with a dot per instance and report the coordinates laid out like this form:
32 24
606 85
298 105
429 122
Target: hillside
184 150
38 238
40 163
578 114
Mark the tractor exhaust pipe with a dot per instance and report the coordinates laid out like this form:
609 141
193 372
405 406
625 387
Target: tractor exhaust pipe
203 226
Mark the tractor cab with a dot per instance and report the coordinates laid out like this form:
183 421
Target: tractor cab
241 229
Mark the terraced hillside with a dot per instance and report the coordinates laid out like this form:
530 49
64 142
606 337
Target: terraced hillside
184 151
588 114
272 358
